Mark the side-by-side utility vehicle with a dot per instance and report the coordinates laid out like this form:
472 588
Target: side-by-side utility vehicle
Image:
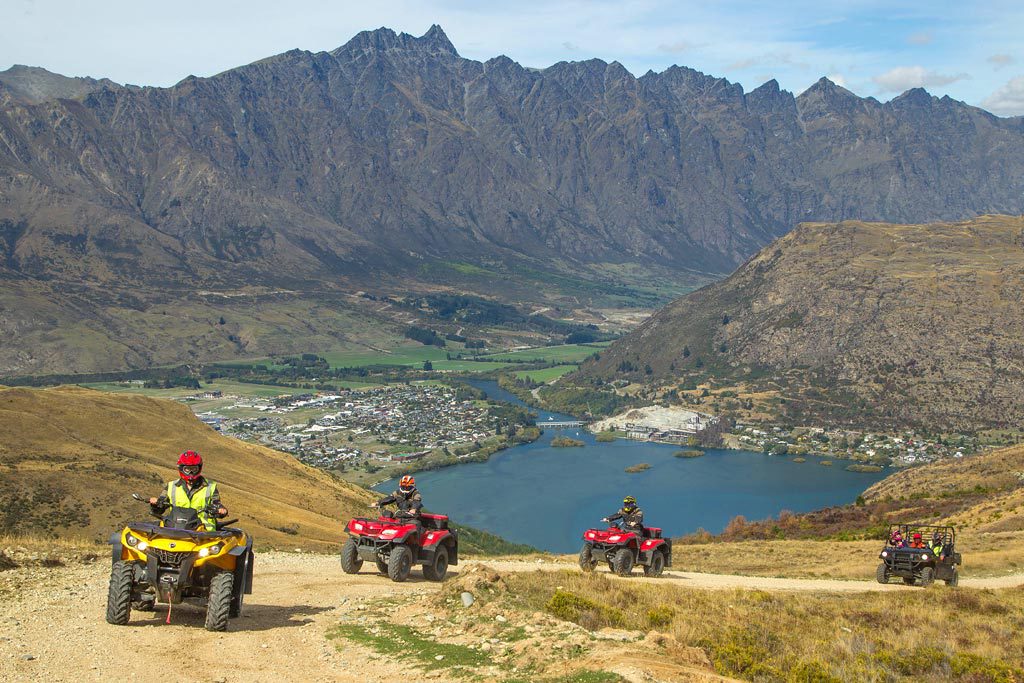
920 555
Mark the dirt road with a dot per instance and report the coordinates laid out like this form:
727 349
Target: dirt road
52 627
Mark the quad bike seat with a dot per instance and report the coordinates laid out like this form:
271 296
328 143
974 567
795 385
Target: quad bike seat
434 521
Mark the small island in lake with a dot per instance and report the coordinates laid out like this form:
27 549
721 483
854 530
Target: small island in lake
689 453
638 468
864 468
826 463
565 442
799 459
605 437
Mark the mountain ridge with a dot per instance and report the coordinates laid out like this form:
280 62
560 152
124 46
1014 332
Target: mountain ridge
337 171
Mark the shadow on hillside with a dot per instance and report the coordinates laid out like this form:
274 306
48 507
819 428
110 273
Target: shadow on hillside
255 617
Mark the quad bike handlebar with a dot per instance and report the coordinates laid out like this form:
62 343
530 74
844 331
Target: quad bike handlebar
210 509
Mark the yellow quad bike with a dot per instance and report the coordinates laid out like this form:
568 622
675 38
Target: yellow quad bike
176 561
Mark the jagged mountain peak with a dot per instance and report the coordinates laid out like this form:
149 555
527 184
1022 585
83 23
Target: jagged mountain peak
825 87
435 40
34 84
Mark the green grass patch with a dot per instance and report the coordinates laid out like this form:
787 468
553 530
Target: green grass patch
544 375
405 642
401 355
575 677
566 353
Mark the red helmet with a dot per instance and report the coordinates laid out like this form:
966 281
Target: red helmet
407 484
190 466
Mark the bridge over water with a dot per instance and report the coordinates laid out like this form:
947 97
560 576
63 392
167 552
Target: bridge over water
562 424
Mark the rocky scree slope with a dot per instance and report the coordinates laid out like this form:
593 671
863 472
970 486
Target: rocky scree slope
853 322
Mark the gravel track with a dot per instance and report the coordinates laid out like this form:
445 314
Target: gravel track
52 626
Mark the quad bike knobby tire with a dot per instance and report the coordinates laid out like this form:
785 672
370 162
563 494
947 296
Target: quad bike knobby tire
147 605
399 564
350 562
909 580
622 562
927 577
119 594
657 565
955 579
587 561
218 606
235 610
382 566
882 573
439 569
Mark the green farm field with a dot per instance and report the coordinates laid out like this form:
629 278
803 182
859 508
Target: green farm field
545 374
567 353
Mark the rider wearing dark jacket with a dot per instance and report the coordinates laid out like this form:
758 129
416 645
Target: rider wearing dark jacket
407 499
632 517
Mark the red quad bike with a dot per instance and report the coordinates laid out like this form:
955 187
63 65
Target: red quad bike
395 544
624 549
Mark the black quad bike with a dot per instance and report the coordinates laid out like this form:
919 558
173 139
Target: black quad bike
938 561
177 560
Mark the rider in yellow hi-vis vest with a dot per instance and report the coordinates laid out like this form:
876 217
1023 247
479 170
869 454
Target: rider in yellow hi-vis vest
192 490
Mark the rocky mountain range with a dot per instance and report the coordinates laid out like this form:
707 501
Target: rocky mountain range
893 325
392 161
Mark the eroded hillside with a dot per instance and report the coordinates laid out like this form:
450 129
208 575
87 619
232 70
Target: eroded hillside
857 323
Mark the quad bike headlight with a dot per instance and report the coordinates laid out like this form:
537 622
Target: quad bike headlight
613 539
131 541
924 558
212 550
885 553
389 532
142 545
590 534
358 526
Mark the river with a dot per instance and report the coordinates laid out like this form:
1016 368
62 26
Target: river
547 497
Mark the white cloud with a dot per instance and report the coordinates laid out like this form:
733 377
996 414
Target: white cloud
1001 60
570 46
922 38
1007 100
677 47
906 77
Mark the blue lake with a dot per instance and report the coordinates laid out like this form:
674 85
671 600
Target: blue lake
547 497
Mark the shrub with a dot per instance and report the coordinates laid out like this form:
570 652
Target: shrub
583 611
811 672
659 617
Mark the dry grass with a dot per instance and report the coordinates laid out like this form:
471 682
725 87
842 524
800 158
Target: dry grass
992 554
71 457
936 634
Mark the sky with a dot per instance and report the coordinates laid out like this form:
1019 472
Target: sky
971 51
